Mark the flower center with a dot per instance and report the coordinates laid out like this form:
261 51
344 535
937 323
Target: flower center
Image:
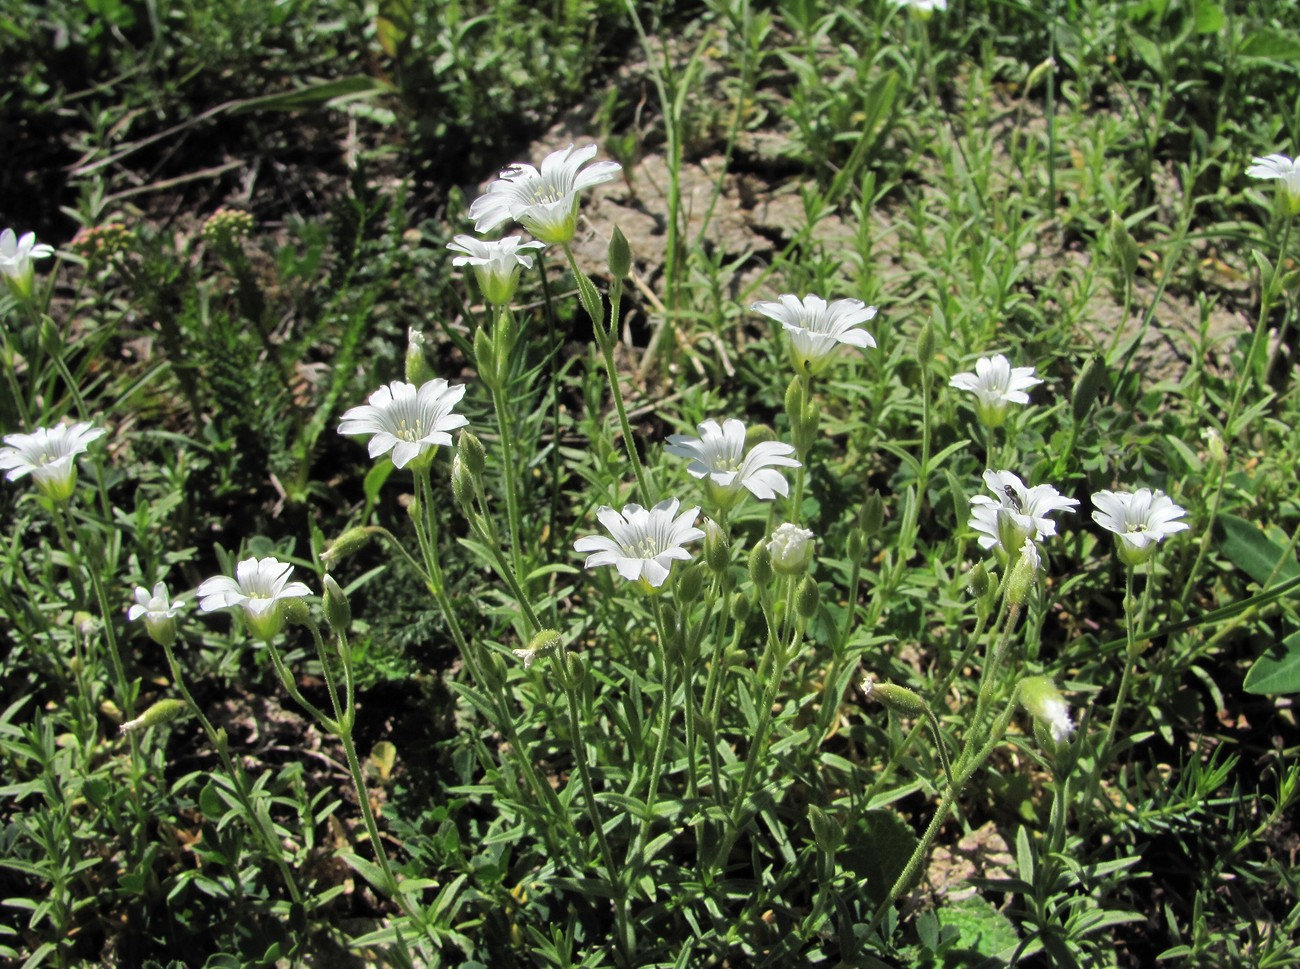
645 548
545 193
408 430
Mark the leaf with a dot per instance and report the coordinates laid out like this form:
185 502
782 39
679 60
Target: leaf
367 870
313 95
1272 45
1209 17
876 849
1278 670
1248 548
981 928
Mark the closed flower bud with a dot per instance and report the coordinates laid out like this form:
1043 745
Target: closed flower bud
1024 574
873 513
690 583
899 699
543 641
791 549
855 545
346 544
1088 387
620 255
740 608
979 580
295 611
925 344
418 371
807 598
338 612
826 830
760 565
717 550
462 483
577 671
472 453
160 712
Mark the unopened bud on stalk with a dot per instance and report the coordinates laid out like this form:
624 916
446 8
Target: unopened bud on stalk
826 830
760 565
807 598
338 612
873 513
979 581
899 699
294 611
160 712
485 357
472 452
740 607
346 544
855 545
717 550
620 255
1024 574
690 584
418 371
462 483
925 345
1088 387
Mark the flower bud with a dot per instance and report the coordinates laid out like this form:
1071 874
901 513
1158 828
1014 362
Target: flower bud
1088 387
690 583
418 371
740 607
855 545
544 641
899 699
349 542
620 255
925 345
760 565
873 513
826 830
295 611
577 671
807 598
338 612
1040 697
979 580
462 484
717 550
1024 574
161 712
791 549
472 453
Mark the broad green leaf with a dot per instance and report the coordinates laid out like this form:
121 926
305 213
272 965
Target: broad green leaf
1249 549
1278 670
1209 17
1272 45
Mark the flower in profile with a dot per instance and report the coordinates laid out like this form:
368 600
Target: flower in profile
158 612
543 202
496 264
1045 704
261 588
995 384
48 454
718 456
407 420
1140 521
791 549
16 257
644 542
817 329
1287 173
1017 513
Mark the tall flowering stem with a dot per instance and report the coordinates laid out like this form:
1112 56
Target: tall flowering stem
503 340
594 307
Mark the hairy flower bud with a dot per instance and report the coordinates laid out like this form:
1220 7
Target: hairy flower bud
1040 697
899 699
346 544
760 564
161 712
807 598
717 550
338 612
1024 574
620 255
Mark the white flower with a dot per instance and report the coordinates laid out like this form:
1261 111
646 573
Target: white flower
546 202
1139 520
47 455
158 612
817 329
1018 513
259 588
995 383
1286 171
16 255
496 264
406 420
645 542
923 7
718 456
791 549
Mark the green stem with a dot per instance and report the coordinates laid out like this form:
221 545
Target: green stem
505 345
